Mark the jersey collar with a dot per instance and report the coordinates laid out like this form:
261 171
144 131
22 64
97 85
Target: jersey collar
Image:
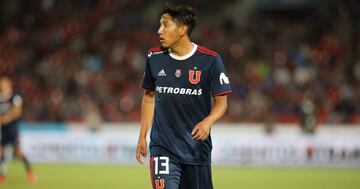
176 57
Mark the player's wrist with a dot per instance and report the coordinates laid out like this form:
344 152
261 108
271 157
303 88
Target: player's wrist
142 136
211 121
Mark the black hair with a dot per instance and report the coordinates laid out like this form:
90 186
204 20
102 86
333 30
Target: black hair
182 14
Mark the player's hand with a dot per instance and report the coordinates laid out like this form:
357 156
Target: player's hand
141 149
201 131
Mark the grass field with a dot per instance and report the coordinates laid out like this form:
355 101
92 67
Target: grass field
69 176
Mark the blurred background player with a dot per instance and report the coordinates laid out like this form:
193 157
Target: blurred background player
308 119
10 113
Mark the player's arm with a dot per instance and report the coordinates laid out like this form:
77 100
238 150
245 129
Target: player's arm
147 114
202 130
14 114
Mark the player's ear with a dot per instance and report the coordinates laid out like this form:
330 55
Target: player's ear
183 30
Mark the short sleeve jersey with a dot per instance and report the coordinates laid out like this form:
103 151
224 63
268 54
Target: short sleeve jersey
183 89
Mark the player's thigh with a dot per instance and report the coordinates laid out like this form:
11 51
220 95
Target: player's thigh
165 172
196 177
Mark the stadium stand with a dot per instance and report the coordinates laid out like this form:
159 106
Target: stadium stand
66 54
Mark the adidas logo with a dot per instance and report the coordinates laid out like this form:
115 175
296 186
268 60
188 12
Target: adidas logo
162 73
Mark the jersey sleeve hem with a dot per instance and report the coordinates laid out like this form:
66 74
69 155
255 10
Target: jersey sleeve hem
147 88
222 93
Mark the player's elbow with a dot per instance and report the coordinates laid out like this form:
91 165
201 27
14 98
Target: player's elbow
225 106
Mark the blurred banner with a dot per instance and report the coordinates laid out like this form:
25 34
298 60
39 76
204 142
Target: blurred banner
287 147
232 145
77 144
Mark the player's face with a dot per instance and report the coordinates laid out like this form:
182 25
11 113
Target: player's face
5 85
169 32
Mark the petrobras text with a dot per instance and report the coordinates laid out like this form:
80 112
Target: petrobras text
177 90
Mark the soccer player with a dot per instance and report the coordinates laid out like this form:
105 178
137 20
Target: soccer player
10 113
180 80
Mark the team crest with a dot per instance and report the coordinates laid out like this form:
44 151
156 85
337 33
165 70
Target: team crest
160 184
178 73
194 76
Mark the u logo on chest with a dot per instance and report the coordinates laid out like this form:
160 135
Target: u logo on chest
194 76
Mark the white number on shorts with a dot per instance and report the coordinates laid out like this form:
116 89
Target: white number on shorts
164 163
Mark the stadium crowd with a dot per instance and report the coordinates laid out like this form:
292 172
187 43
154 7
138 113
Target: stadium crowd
71 58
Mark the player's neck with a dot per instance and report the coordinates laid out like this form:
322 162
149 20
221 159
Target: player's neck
183 47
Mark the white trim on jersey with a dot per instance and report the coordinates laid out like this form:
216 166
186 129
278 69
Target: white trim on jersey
176 57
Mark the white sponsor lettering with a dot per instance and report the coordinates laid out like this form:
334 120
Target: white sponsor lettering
177 90
170 90
188 92
182 91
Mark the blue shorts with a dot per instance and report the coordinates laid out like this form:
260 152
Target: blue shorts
169 174
9 140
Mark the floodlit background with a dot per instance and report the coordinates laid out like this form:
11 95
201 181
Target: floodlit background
293 118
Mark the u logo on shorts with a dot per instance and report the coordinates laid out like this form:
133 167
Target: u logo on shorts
161 185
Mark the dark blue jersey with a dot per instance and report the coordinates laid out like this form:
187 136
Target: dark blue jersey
183 89
7 103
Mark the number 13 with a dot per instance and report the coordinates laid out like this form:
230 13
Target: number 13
164 162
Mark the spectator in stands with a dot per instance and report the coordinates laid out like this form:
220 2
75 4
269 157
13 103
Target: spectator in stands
81 46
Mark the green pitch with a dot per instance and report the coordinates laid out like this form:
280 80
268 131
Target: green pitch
68 176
